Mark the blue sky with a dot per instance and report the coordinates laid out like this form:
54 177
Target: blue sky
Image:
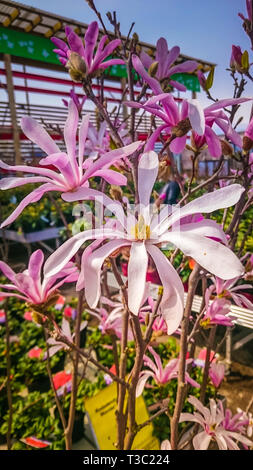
203 29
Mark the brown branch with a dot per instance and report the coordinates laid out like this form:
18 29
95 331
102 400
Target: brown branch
193 281
57 401
71 418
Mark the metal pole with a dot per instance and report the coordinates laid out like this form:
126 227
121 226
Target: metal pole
10 89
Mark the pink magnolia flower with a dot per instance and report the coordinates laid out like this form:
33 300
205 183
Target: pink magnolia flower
70 173
216 373
111 322
213 422
201 121
248 420
217 313
228 290
56 346
236 59
98 141
93 61
166 60
235 423
160 374
144 233
29 285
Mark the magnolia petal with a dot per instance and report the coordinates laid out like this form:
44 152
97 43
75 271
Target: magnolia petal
32 169
110 62
70 130
7 272
68 249
137 270
35 264
146 59
92 268
37 134
34 196
226 102
213 142
177 85
196 116
172 303
75 42
161 57
142 382
84 193
187 66
86 253
110 157
112 177
210 202
178 144
108 50
12 182
147 173
211 255
200 407
205 227
152 82
90 40
172 56
66 328
150 143
201 441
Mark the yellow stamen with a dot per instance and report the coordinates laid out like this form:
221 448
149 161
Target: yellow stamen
206 324
141 231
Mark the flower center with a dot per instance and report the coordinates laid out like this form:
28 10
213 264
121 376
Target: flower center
141 231
223 294
205 323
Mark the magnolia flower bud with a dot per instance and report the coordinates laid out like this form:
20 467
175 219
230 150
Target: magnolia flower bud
135 37
76 66
153 69
181 128
226 148
247 143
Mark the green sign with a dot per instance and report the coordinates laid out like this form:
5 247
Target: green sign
191 82
27 45
30 46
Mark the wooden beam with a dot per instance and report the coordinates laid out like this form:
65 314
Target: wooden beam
10 90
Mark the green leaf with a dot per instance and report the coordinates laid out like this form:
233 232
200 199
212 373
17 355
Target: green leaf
209 79
245 60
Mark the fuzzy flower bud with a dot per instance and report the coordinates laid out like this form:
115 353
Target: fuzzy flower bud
153 69
76 66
